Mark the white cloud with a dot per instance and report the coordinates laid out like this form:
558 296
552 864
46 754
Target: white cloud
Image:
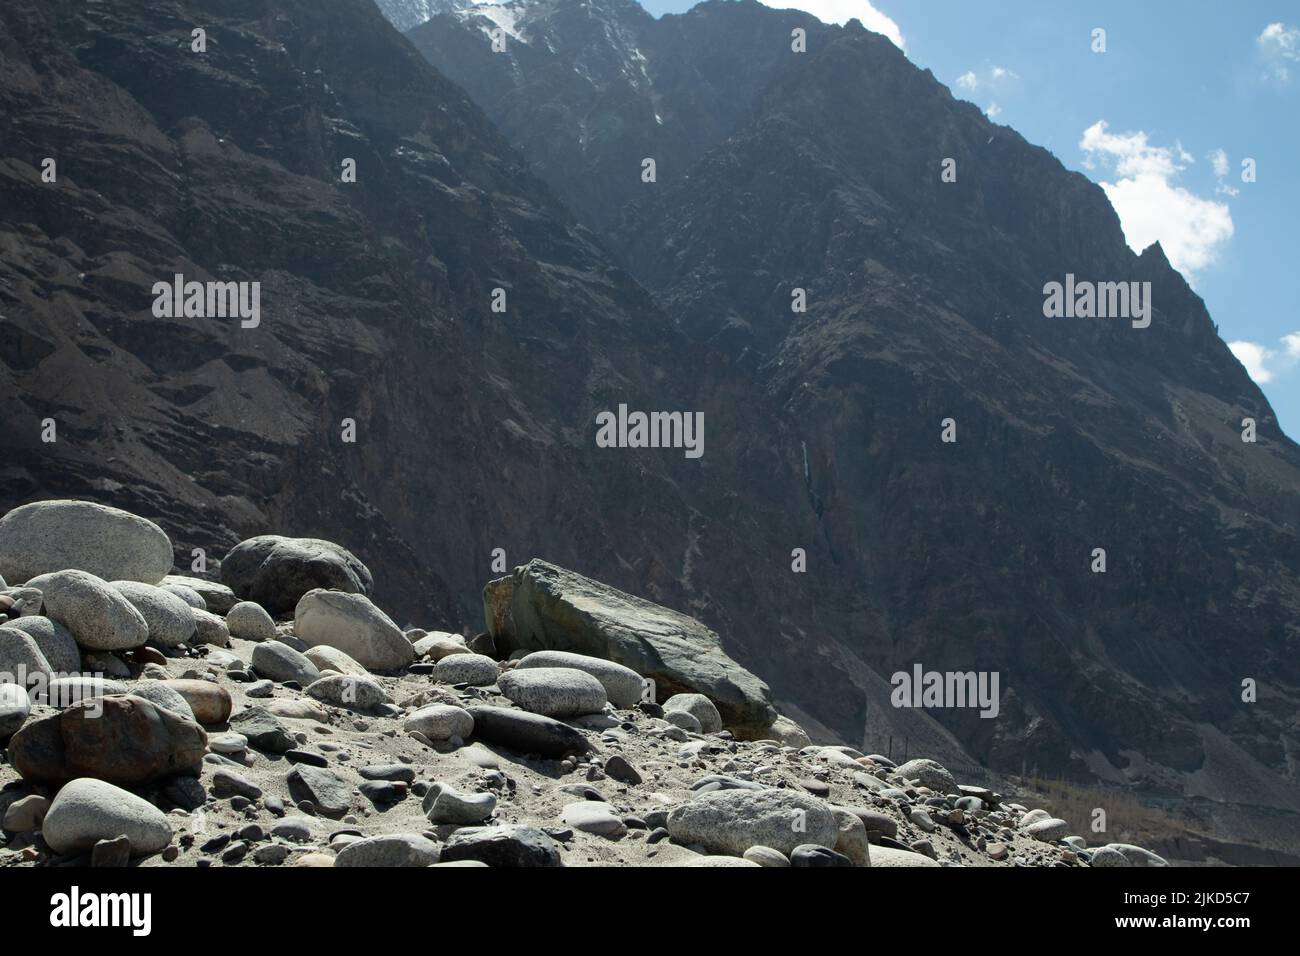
1264 364
1131 153
1220 164
1151 206
997 76
993 111
1279 45
842 11
1255 358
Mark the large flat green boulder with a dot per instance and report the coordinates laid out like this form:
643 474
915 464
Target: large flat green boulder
544 607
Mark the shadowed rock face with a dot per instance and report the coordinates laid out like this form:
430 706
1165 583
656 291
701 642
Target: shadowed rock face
588 90
926 303
1071 434
405 14
475 430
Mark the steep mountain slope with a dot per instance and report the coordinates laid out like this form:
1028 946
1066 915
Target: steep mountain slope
474 430
406 14
1073 434
926 303
588 90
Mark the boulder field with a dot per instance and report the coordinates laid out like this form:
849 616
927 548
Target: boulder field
283 719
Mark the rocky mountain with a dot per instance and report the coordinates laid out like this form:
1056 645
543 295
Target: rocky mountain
377 401
925 302
588 90
405 14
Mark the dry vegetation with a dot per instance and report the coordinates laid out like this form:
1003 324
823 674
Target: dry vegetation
1128 820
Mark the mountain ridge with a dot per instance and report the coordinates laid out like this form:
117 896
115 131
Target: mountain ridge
926 304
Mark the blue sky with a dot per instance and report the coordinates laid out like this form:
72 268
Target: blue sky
1186 90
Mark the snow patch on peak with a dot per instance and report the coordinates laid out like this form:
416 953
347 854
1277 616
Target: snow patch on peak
409 14
503 15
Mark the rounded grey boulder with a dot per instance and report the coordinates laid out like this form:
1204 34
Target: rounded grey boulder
88 810
892 857
158 693
98 616
623 686
210 628
1049 830
58 535
440 722
187 594
276 572
699 707
1030 817
281 663
353 625
217 597
15 707
392 849
348 690
1106 856
553 691
731 821
929 773
477 670
439 644
593 816
1136 855
21 660
54 640
250 622
683 719
170 619
785 731
66 691
766 856
328 658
